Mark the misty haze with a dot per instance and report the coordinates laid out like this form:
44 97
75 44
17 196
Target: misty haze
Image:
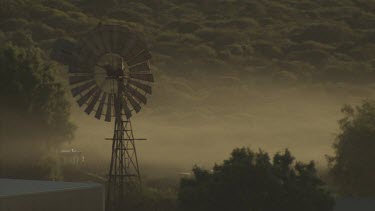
198 120
177 105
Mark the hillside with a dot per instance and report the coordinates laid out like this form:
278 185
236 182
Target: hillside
290 40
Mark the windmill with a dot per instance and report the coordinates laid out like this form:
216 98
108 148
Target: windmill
110 78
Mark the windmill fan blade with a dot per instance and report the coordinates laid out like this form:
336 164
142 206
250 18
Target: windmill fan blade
140 67
144 77
127 111
108 115
93 101
81 88
85 97
79 79
136 94
145 55
99 111
110 69
134 104
142 86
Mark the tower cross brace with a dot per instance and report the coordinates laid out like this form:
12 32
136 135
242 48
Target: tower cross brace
124 176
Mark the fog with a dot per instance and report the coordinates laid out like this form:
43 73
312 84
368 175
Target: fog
21 140
199 119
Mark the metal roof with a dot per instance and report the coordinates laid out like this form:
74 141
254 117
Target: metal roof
13 187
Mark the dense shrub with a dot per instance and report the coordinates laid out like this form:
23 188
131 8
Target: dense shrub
241 33
20 38
310 45
14 24
183 26
325 33
42 31
266 49
363 53
200 51
128 15
314 57
63 5
250 181
354 148
362 21
29 88
40 169
13 9
219 36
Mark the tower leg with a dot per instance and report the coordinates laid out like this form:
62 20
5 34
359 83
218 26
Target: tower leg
124 176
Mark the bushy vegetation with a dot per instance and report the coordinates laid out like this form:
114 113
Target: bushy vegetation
240 34
246 181
29 88
44 168
34 113
251 181
350 169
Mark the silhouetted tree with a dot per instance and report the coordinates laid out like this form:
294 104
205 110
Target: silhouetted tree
351 166
33 106
251 181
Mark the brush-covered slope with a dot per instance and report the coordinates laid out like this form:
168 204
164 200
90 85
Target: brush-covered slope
285 39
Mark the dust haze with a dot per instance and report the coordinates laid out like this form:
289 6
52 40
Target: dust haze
199 118
21 139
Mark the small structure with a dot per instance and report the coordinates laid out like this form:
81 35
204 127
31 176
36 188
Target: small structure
71 157
22 195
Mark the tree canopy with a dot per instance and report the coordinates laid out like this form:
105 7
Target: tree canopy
34 108
350 166
287 40
251 181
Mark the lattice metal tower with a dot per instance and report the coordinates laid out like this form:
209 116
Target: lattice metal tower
110 76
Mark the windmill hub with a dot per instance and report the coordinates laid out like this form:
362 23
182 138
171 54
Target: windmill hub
114 72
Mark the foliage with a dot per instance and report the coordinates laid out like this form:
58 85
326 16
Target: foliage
251 181
354 151
29 88
41 169
341 31
325 33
